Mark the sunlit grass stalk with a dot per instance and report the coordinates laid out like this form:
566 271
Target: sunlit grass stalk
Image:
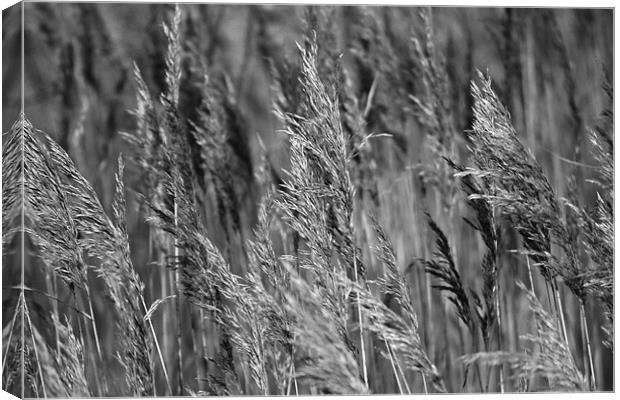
590 363
170 100
93 323
159 353
498 308
178 305
397 374
50 282
93 360
560 310
499 336
361 324
99 390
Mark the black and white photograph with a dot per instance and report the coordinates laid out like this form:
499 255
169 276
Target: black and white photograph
226 199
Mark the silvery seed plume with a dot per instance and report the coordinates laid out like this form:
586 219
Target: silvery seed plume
106 239
522 192
317 198
50 223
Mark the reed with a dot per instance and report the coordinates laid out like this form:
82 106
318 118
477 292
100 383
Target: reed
328 211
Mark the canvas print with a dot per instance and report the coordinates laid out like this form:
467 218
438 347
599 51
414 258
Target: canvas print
283 200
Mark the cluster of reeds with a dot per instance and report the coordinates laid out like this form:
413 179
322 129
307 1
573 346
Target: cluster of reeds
316 298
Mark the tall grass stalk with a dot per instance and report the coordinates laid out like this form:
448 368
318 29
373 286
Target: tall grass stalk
159 353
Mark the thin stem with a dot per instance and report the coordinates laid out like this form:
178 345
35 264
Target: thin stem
164 292
527 258
52 287
584 325
529 273
19 299
179 338
555 296
196 346
429 310
552 302
79 300
400 388
498 308
292 379
93 323
265 378
560 310
178 304
395 364
584 350
36 353
161 358
203 346
499 336
359 316
479 374
22 215
446 348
